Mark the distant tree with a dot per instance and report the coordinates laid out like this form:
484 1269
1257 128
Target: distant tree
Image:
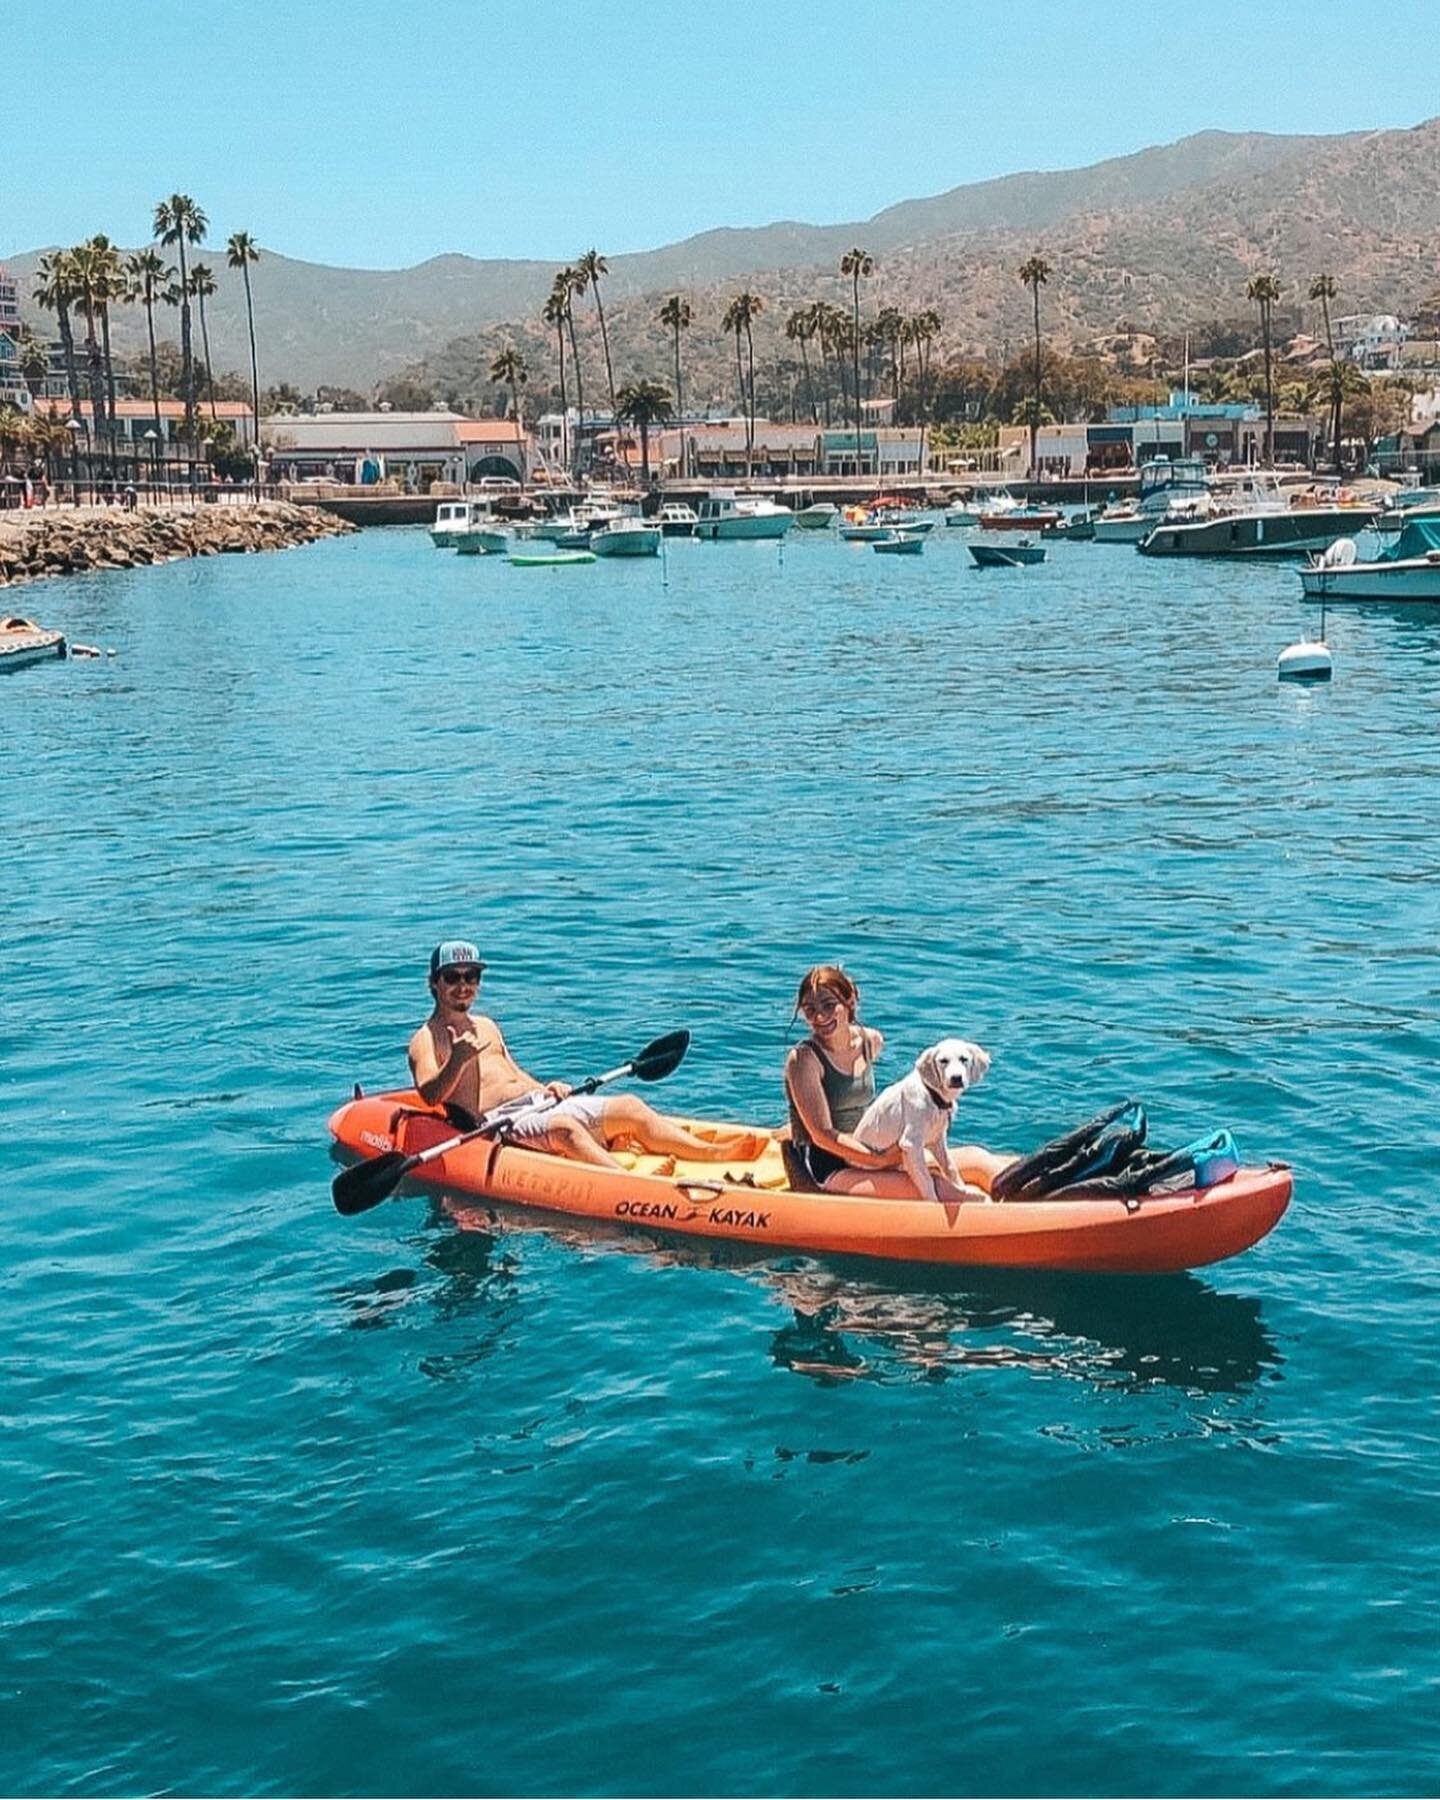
1323 289
740 315
202 286
405 393
57 290
592 265
149 275
800 328
509 367
1264 290
1340 385
180 221
240 252
856 263
556 308
571 283
1034 273
644 404
676 316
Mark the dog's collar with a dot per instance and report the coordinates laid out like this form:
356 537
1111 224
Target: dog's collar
945 1104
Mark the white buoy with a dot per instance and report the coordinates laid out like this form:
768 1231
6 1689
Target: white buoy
1310 659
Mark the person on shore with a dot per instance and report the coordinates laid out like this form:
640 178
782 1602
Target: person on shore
829 1082
460 1057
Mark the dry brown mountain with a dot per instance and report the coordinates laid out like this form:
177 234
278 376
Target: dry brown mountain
1160 238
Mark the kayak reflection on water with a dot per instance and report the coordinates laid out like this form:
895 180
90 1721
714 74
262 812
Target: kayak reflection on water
850 1322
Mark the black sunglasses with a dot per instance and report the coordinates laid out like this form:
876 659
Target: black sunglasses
453 977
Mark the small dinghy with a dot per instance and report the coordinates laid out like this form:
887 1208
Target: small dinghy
899 543
22 641
548 559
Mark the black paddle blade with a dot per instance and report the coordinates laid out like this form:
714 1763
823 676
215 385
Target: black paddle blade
661 1058
366 1184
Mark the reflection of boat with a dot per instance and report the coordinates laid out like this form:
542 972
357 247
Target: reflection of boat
900 543
818 517
746 1200
22 641
1408 570
722 515
626 537
1007 556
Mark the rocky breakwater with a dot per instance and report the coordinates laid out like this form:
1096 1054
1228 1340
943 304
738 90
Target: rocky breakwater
66 542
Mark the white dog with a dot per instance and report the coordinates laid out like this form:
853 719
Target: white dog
914 1113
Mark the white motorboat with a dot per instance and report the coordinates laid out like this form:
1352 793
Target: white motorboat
455 518
675 519
723 515
1408 570
483 539
868 530
22 641
819 517
1169 492
626 537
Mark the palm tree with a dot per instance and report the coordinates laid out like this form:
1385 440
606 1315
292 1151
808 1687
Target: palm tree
644 404
592 266
923 328
855 263
1264 290
509 367
180 221
56 292
832 329
676 316
740 315
89 272
572 282
1323 289
240 252
1340 383
149 276
202 286
34 361
800 327
554 314
1034 273
111 286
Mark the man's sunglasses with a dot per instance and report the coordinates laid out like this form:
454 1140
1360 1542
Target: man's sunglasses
454 977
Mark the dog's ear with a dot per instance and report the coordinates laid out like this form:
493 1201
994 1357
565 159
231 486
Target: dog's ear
926 1068
976 1060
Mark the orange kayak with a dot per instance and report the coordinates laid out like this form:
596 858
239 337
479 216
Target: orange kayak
750 1203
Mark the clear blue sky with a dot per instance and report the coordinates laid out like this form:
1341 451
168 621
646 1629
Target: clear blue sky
377 134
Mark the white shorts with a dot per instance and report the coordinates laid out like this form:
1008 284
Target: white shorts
524 1126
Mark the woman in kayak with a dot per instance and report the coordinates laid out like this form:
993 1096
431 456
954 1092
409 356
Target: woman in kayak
829 1081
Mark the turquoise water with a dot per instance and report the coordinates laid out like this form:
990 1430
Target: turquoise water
295 1504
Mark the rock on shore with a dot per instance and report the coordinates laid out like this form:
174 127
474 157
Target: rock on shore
63 543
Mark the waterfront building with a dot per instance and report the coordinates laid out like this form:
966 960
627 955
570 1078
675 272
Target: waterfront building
367 447
13 389
1370 340
1130 436
135 421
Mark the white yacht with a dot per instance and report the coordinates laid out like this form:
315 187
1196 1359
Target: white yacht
723 515
1168 491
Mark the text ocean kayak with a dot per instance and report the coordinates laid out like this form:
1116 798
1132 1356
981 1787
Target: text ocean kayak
749 1202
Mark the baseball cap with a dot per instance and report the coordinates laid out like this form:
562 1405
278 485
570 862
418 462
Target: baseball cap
453 953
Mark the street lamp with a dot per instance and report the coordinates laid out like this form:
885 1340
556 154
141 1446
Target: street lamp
74 427
152 438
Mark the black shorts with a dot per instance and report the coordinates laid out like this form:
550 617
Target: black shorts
808 1167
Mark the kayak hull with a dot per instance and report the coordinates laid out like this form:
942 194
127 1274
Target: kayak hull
711 1200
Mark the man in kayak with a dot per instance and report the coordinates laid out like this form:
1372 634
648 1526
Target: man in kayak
460 1057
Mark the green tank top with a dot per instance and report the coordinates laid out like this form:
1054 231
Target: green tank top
847 1095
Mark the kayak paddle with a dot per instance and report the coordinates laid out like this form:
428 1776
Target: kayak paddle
366 1184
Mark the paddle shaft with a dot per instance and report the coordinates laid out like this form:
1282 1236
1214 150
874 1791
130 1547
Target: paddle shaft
499 1116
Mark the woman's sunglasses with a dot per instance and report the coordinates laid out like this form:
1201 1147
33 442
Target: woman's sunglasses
819 1009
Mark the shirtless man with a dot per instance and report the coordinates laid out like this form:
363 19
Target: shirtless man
461 1056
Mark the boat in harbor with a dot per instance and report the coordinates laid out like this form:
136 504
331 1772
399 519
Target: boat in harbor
1019 517
900 543
1007 556
1408 570
819 516
865 531
724 515
554 558
1256 518
626 537
22 641
454 518
483 539
676 519
1171 492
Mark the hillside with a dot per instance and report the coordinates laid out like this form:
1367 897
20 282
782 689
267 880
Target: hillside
1159 238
